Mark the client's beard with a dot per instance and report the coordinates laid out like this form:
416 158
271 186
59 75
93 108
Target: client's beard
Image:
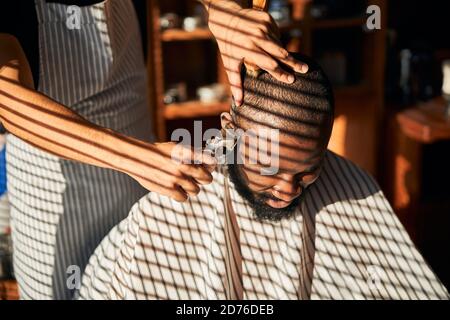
258 201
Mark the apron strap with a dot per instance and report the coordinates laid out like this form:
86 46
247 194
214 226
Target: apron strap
233 256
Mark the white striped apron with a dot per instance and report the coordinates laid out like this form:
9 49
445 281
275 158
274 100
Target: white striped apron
61 209
4 213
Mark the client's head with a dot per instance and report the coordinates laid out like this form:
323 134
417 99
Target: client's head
290 122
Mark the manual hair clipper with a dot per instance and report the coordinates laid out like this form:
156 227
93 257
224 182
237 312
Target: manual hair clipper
216 145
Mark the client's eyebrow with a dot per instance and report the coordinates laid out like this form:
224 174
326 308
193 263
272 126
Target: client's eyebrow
311 169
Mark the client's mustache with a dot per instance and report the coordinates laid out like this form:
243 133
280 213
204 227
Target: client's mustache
263 196
257 201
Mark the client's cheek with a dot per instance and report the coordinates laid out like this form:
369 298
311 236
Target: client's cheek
250 177
257 186
258 183
309 179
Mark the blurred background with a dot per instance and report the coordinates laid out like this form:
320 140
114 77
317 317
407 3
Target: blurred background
392 115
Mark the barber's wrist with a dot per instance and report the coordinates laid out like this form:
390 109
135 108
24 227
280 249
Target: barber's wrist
228 5
126 151
220 17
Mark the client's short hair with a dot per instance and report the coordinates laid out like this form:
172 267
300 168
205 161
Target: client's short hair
304 108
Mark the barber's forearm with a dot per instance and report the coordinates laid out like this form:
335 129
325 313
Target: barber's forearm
52 127
57 129
45 123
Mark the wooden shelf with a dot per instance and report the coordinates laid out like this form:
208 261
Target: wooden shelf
352 95
182 35
325 24
338 23
195 109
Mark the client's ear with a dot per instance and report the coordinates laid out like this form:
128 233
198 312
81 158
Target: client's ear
226 121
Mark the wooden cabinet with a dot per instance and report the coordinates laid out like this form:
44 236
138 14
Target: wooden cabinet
416 162
409 131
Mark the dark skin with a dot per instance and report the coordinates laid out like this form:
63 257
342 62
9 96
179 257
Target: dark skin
299 166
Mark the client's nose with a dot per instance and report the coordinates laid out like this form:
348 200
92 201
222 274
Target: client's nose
287 188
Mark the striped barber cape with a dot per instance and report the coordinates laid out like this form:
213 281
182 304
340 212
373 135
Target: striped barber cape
345 242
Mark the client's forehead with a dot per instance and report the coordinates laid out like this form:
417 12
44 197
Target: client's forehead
302 123
261 145
299 150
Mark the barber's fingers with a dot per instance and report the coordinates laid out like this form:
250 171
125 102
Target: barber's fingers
206 159
271 47
189 186
255 55
265 22
282 55
281 75
201 159
164 185
178 194
233 69
184 154
260 58
210 168
266 37
295 65
198 172
270 65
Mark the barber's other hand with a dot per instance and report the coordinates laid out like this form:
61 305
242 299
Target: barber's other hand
170 169
251 35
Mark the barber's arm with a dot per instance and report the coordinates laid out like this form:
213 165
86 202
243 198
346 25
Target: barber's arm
48 125
251 35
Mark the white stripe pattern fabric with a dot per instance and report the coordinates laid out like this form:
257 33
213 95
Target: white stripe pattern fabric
344 243
4 213
233 257
36 185
61 210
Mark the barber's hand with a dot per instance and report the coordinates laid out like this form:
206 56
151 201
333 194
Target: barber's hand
170 169
251 35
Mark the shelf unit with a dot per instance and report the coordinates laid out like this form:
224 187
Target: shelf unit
181 35
359 106
194 109
158 42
